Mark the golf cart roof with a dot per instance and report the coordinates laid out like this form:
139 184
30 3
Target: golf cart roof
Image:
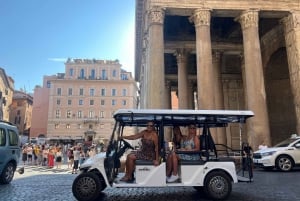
212 118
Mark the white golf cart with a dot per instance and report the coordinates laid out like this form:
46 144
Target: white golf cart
211 175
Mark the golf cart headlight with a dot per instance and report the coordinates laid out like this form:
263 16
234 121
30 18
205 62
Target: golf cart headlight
268 153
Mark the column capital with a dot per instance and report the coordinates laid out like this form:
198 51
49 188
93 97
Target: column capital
291 22
156 15
181 55
248 18
201 17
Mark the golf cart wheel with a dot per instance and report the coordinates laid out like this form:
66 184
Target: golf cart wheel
7 173
284 163
87 186
217 185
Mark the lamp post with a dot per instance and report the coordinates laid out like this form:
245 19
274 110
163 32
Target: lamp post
2 102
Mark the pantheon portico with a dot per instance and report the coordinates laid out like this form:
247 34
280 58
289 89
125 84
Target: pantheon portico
233 55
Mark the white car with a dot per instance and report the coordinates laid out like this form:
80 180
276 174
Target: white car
283 156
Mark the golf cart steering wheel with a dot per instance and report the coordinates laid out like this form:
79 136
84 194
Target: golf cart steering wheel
126 144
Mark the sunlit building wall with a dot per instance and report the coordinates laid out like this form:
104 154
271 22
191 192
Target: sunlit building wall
83 99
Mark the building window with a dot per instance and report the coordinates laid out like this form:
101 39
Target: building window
123 102
81 73
92 76
81 92
58 91
58 102
113 102
113 92
124 92
71 72
69 102
57 114
104 76
102 92
79 126
56 126
124 77
69 114
114 73
48 84
101 114
92 92
68 126
91 102
70 92
79 114
91 114
102 102
80 102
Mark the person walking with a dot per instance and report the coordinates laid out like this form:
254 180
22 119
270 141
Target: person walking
58 158
76 153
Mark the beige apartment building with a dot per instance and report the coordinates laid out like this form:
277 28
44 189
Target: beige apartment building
6 94
21 112
235 55
79 104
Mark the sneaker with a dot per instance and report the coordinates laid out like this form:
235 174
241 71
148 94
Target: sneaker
173 178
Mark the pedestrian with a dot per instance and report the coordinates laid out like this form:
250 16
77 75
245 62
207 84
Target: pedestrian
29 154
70 157
24 154
58 158
45 155
51 158
76 153
247 155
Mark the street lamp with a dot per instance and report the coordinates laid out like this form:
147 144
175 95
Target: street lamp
2 102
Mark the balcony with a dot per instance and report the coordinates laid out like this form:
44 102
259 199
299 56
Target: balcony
94 120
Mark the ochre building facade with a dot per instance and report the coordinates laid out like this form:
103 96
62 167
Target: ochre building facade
233 55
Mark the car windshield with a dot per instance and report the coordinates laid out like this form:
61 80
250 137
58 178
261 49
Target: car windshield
286 142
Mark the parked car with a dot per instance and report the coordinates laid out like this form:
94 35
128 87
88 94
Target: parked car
283 156
210 175
9 151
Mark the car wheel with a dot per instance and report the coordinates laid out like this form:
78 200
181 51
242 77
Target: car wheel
7 174
217 185
87 186
284 163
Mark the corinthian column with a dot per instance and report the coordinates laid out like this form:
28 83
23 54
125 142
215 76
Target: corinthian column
219 96
292 40
156 74
257 126
181 56
201 19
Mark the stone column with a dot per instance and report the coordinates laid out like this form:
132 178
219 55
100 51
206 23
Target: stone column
181 56
205 88
258 130
219 96
156 74
292 40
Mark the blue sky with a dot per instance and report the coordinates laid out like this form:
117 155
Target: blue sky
37 36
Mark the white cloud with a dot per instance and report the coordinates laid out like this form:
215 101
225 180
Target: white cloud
57 59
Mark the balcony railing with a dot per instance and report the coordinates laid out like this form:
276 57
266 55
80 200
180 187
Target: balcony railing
91 120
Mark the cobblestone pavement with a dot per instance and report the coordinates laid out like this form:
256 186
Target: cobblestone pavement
38 183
